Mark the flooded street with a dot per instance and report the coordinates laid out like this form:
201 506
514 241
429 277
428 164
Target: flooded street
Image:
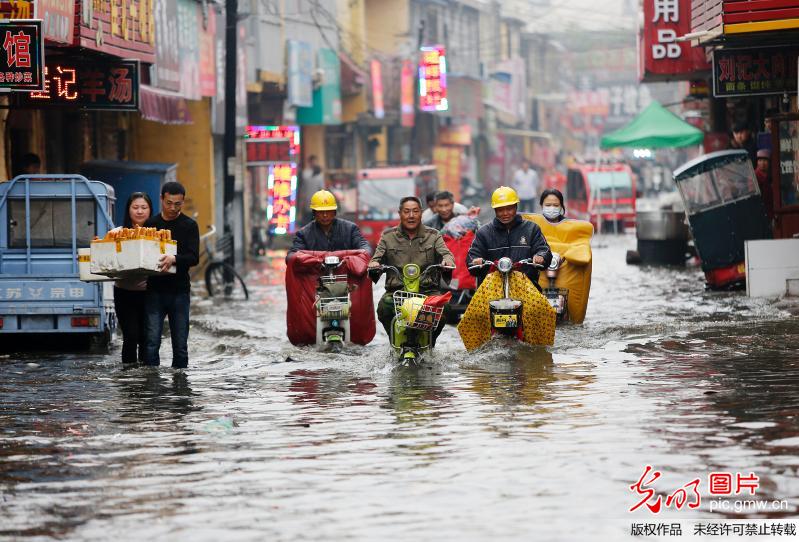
258 440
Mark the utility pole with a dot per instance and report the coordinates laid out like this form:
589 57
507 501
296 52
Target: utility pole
231 62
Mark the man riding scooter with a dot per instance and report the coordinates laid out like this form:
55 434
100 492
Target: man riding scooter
329 292
326 232
409 243
514 248
508 235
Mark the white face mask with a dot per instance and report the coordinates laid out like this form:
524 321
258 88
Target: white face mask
551 213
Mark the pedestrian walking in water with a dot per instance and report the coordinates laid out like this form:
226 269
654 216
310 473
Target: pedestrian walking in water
129 292
169 295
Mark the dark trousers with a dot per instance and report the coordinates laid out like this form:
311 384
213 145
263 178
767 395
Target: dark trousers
386 312
129 306
175 306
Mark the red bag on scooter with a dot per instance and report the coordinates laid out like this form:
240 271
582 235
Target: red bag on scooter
459 246
302 274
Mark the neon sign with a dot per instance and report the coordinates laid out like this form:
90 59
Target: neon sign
110 86
433 79
282 207
277 147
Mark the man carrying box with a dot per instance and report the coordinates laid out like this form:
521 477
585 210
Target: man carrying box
169 295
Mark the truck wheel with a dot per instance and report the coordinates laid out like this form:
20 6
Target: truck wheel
100 341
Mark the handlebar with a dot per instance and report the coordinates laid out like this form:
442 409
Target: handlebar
383 268
516 265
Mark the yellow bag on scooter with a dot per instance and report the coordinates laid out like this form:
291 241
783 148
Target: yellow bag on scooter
538 316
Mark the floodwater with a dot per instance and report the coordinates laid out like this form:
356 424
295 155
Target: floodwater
506 444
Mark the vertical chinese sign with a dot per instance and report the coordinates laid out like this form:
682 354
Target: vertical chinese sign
189 47
377 89
272 153
207 23
407 116
22 56
662 56
433 79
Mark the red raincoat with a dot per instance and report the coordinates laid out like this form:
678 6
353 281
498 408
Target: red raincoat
302 272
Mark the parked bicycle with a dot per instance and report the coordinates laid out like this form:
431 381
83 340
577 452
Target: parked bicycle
221 279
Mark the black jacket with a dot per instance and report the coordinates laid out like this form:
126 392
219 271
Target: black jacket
523 240
344 235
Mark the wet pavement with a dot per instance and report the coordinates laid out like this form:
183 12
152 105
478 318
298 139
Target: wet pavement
505 444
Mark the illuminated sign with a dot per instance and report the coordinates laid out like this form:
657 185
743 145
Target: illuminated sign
17 9
21 56
433 79
282 208
112 86
278 148
406 94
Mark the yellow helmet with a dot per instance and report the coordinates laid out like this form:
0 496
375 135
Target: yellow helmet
410 309
504 196
323 201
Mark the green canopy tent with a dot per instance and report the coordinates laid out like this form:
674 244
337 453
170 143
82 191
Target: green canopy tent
654 128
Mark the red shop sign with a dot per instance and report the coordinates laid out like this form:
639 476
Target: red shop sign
662 56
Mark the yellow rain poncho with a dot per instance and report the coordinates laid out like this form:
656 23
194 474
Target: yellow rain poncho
572 240
538 317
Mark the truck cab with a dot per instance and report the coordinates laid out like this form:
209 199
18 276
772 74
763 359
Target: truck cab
44 220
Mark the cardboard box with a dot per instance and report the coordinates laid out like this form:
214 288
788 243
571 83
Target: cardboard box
130 256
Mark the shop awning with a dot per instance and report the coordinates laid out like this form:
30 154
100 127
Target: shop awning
163 106
654 128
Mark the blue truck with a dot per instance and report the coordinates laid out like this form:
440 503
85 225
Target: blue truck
44 220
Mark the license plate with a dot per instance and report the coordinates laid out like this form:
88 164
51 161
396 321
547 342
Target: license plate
505 320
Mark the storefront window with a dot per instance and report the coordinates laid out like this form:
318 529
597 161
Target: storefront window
789 162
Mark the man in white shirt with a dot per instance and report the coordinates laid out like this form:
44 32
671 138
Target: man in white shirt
526 184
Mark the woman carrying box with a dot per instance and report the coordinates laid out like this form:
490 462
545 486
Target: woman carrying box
129 292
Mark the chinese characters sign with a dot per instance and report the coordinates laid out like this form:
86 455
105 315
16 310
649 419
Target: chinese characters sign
95 85
280 213
663 56
123 28
377 89
17 9
433 79
745 72
22 55
279 148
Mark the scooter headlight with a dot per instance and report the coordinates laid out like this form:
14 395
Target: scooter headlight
504 265
332 260
411 271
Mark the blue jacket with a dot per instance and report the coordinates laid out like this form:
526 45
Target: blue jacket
344 235
522 240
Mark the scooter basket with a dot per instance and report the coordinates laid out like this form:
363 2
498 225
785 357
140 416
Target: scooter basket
333 308
413 313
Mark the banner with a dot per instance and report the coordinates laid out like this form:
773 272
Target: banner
189 49
448 165
433 79
326 107
377 89
407 112
300 72
165 73
208 51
